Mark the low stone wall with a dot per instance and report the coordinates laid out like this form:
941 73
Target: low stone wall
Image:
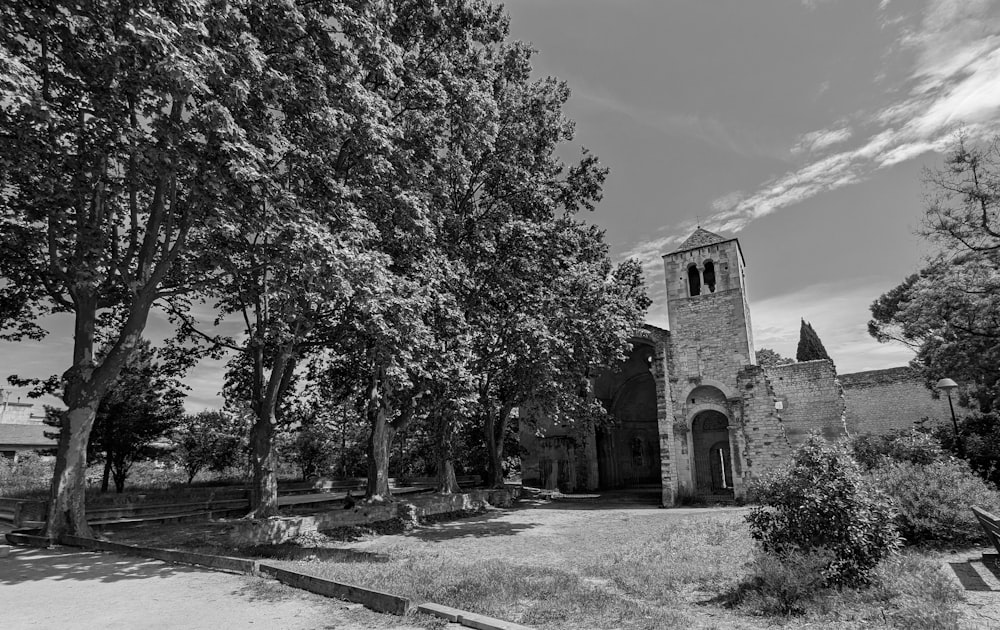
282 528
23 512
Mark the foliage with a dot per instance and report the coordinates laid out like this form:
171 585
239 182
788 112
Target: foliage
933 499
769 358
142 408
980 443
26 476
120 143
820 501
209 440
949 311
913 446
810 347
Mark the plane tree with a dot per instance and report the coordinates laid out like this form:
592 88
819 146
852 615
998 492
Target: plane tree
117 143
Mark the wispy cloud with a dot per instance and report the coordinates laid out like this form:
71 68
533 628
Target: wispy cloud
705 128
954 81
816 141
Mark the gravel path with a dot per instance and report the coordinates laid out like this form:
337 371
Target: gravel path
61 588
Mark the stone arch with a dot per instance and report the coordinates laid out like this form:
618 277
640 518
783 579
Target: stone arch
727 391
711 452
628 449
709 275
694 280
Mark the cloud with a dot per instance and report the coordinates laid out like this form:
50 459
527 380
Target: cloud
954 81
839 313
818 140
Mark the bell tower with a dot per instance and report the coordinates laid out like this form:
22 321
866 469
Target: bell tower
707 308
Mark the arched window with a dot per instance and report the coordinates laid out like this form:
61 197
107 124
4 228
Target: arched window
694 280
710 276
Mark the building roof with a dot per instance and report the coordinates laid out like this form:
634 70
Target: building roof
700 238
26 436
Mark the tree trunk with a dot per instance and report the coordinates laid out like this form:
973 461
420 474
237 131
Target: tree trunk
119 472
85 386
68 492
495 428
264 487
107 472
447 483
378 455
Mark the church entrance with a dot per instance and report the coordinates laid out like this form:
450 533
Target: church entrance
628 451
713 465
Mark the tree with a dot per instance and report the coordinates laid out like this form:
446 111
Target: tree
949 312
209 440
810 347
142 407
118 140
769 358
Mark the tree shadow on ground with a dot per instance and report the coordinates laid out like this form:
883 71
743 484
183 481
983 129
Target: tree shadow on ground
29 564
480 526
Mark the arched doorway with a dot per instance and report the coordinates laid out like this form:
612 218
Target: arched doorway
713 465
628 450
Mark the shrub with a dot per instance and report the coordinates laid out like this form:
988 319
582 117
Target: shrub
822 503
933 501
980 443
918 447
783 584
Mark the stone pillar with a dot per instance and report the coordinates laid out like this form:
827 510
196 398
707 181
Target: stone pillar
665 426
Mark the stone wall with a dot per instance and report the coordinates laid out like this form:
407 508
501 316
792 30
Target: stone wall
883 401
810 398
761 439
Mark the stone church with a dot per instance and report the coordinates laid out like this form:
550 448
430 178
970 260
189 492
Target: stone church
691 410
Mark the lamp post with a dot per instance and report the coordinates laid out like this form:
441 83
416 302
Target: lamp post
949 386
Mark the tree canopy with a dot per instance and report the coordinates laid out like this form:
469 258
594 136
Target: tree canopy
949 312
810 347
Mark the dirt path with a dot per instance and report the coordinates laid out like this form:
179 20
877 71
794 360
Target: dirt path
53 589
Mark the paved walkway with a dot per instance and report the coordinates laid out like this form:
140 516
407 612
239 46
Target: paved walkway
64 588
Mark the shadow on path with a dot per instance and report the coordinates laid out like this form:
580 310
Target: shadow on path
27 565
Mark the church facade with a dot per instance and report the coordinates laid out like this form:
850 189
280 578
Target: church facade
691 410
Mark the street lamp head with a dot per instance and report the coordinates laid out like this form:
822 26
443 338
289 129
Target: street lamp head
947 385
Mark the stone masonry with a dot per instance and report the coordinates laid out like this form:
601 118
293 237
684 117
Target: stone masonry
695 394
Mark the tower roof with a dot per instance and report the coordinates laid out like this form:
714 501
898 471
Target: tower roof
700 238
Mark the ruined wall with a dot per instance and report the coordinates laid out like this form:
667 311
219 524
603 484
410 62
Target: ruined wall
761 438
810 398
882 401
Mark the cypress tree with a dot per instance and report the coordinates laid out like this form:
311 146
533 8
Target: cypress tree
810 347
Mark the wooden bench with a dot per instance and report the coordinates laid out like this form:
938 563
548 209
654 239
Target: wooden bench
991 525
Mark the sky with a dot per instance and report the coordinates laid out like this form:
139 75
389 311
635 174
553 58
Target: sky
801 127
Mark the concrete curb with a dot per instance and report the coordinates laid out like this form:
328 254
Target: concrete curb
376 600
467 619
221 563
370 598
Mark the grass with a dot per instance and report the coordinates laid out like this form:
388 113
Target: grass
639 571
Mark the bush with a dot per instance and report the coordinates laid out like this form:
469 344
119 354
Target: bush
28 477
918 447
980 443
822 503
783 584
933 501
